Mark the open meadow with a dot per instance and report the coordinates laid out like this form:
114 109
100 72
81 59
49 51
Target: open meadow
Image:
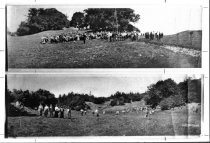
28 52
179 121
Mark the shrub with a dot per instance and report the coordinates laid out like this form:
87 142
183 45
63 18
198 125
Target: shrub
166 103
171 102
23 30
159 91
113 102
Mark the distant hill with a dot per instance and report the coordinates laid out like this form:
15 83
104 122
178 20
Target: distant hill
188 39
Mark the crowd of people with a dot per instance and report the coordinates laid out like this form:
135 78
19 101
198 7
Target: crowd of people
59 111
153 35
107 35
59 38
56 112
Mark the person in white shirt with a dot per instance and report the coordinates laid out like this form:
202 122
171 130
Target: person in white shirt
96 112
40 109
46 109
69 112
109 34
56 111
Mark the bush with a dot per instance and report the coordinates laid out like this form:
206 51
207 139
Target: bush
41 20
171 102
167 103
113 102
159 91
23 29
32 99
179 100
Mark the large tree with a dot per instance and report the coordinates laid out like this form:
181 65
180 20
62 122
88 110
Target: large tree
110 19
160 90
41 20
77 20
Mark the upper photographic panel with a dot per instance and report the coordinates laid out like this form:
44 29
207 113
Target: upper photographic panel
42 36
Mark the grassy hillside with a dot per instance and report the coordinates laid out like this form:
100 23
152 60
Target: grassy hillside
27 52
187 39
170 122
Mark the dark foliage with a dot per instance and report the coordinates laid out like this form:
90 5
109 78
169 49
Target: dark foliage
74 100
168 94
160 90
171 102
41 20
120 98
32 99
78 20
111 19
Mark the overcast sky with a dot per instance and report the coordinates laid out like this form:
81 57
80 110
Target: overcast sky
164 18
98 85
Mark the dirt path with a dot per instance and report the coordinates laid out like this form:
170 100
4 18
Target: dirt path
191 52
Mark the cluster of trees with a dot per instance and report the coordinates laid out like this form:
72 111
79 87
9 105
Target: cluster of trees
96 19
167 94
31 99
111 19
41 20
120 98
77 100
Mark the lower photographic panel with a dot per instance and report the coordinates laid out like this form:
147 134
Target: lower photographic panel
41 105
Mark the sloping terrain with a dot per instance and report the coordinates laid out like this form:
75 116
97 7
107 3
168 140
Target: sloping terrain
170 122
187 39
27 52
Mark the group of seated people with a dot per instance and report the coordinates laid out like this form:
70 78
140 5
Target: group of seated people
76 36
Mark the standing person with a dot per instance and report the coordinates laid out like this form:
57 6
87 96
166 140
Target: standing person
97 114
109 36
84 37
85 112
61 112
77 37
147 112
82 112
69 112
56 111
46 109
51 110
40 109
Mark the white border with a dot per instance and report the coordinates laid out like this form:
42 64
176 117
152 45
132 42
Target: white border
204 70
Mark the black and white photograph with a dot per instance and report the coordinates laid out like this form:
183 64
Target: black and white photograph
54 105
104 71
65 36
